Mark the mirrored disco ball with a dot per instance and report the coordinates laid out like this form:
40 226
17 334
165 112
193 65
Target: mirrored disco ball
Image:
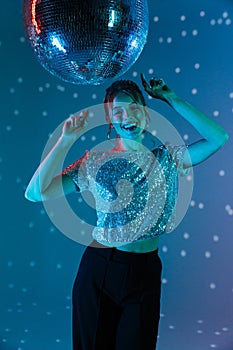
86 41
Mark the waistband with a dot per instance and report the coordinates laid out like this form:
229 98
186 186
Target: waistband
114 254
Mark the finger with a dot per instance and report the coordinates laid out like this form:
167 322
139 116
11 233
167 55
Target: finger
143 79
144 82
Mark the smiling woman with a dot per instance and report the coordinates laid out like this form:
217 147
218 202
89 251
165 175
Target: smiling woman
116 294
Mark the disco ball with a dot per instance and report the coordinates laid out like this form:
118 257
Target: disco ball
86 41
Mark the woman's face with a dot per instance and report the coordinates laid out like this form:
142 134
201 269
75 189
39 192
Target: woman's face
127 116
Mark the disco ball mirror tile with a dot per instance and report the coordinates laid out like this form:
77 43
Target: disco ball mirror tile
86 42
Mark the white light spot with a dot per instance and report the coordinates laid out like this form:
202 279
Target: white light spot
207 254
194 91
213 345
93 138
58 340
217 333
75 95
83 138
154 132
151 71
212 285
22 39
231 94
225 329
192 203
164 281
216 113
199 331
20 80
228 21
195 32
171 327
44 114
177 70
185 137
8 128
47 85
202 13
93 96
183 253
221 172
186 235
169 40
200 205
164 249
135 74
183 33
212 22
40 89
60 88
156 19
197 65
182 18
215 238
12 90
220 20
200 321
160 39
225 14
59 266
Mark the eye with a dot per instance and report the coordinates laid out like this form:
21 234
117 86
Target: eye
117 113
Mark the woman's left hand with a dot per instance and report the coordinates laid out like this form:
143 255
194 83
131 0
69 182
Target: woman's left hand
157 88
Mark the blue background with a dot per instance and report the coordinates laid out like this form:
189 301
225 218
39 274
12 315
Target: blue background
190 45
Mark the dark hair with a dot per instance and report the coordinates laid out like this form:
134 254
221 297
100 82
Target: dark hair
125 86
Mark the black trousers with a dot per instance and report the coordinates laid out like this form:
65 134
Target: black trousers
116 300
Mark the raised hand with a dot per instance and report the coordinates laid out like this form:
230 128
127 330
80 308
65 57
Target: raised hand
74 126
157 88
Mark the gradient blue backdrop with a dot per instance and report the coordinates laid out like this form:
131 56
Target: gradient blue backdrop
190 45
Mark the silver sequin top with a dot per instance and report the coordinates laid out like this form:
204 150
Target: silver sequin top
135 192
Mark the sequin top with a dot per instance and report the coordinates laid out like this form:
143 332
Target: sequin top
135 192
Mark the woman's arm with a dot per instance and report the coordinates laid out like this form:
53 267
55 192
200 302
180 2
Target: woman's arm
214 136
45 183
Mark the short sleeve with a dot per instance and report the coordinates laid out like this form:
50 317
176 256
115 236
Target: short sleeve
177 153
77 171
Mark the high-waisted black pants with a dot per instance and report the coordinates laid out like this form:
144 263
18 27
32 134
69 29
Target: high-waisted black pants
116 300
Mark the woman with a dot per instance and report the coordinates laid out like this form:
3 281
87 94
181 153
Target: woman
116 294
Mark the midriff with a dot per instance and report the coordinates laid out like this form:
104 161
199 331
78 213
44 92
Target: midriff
145 246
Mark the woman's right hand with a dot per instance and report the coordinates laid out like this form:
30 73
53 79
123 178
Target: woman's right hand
74 126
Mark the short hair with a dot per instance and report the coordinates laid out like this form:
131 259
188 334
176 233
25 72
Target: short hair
126 86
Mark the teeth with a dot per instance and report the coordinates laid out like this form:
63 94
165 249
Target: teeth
128 126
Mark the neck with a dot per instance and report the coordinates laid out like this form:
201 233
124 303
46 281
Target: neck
124 145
